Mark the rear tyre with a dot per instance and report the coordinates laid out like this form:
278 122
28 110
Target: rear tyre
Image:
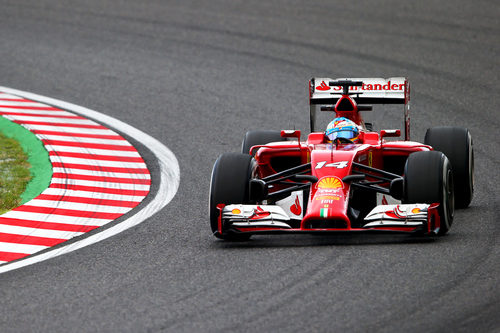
255 138
428 178
229 185
456 144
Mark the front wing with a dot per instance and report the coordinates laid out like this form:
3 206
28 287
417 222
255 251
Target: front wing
254 219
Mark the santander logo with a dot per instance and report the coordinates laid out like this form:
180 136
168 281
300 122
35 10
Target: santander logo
371 85
295 208
323 86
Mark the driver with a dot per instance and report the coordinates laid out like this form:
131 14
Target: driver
342 128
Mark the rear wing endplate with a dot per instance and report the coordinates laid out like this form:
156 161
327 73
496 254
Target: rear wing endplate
394 90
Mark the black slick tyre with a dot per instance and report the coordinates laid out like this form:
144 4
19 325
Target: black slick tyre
456 144
428 178
255 138
229 185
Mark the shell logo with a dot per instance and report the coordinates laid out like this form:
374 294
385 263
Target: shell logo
330 183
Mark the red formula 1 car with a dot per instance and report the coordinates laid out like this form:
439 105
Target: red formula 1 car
280 184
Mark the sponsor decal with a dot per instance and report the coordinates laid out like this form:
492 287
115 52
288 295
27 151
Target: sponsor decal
236 211
323 86
394 213
327 197
374 87
370 159
259 213
295 208
329 191
385 199
292 204
328 201
329 183
338 165
397 212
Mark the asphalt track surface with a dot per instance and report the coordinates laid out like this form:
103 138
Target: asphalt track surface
196 75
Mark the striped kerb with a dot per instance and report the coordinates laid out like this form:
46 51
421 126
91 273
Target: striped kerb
97 177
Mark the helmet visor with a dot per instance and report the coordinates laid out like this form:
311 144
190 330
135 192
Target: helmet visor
346 133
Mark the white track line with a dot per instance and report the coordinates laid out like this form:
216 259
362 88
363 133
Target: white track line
169 179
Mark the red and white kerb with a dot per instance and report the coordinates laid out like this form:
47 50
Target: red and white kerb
97 177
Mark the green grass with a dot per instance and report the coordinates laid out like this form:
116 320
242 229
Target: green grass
14 173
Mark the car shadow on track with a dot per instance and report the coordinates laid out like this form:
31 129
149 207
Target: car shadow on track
325 240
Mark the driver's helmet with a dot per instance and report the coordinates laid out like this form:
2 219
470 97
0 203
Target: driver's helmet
342 128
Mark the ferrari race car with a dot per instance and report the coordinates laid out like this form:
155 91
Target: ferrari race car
281 184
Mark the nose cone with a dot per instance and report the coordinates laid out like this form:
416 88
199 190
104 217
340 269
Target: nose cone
328 201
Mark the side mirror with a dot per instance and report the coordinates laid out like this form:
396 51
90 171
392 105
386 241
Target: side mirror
290 134
395 133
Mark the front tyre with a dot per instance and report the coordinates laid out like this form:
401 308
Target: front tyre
428 178
456 144
229 185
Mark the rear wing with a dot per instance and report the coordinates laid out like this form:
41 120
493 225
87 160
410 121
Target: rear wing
394 90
